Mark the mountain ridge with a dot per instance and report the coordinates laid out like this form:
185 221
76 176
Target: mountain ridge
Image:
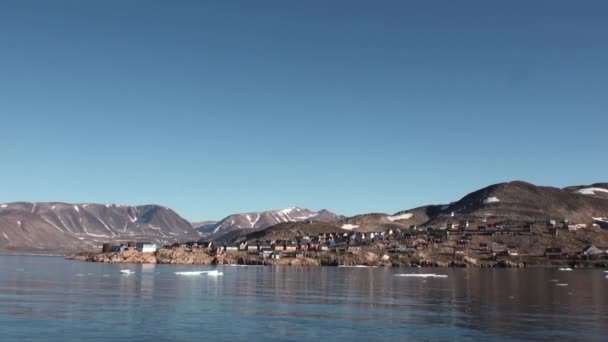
60 226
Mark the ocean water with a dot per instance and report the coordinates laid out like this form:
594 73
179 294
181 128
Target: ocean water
52 299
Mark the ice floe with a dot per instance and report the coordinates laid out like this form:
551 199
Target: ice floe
196 273
421 275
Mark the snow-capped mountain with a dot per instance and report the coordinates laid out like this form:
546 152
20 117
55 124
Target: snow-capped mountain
63 227
265 219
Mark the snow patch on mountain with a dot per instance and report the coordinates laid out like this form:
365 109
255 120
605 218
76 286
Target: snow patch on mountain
491 200
405 216
349 226
591 191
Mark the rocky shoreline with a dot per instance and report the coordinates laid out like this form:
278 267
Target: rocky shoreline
364 258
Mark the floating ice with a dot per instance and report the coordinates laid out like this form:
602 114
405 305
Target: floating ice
355 266
421 275
195 273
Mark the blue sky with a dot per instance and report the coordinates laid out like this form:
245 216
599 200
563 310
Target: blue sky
217 107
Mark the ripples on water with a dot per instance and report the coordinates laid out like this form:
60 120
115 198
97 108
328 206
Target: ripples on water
52 299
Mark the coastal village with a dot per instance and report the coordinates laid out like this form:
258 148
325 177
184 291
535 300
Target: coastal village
457 244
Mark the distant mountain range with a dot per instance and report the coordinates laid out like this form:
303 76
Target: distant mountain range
60 227
237 224
64 227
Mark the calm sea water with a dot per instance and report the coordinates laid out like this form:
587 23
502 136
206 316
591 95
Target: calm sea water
52 299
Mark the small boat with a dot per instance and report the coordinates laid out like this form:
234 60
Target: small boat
126 272
561 284
564 269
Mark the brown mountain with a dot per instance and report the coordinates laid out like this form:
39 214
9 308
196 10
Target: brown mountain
66 227
289 230
512 202
521 201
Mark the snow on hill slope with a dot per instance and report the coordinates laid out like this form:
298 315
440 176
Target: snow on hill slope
260 220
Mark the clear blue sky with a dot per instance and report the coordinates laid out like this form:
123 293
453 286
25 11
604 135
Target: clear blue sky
217 107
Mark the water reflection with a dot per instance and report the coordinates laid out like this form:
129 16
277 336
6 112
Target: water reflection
51 296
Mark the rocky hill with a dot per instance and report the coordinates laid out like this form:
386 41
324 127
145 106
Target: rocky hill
60 227
521 201
289 230
512 202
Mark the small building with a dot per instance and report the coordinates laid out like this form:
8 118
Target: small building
231 248
512 251
592 250
601 222
243 246
553 253
499 250
575 227
121 248
145 247
253 248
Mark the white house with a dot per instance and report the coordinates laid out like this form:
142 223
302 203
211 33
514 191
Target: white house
145 247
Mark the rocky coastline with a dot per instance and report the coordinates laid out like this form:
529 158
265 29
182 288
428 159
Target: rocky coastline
365 258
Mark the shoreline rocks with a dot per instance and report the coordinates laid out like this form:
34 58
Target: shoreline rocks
364 258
